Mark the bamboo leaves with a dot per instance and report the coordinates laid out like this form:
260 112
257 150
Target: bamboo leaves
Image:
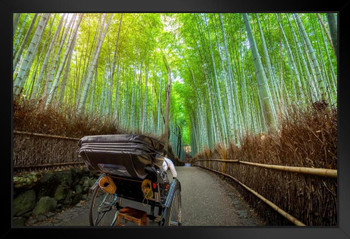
203 78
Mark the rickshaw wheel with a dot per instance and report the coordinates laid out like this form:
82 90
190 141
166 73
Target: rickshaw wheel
173 218
102 208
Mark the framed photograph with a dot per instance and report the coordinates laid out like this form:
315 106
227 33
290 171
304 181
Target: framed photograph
176 119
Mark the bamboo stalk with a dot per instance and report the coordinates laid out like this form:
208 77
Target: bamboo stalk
325 30
45 135
219 160
268 202
332 173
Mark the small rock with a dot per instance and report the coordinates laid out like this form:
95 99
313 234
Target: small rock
61 192
68 199
57 220
78 194
45 205
32 221
50 214
41 217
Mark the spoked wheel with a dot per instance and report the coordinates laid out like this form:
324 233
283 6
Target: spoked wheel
173 218
103 210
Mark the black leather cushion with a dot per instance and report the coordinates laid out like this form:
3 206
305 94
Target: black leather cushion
122 154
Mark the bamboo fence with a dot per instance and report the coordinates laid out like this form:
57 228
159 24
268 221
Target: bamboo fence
44 135
310 198
42 150
268 202
323 172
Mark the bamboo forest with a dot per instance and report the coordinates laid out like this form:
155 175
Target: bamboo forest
234 93
208 78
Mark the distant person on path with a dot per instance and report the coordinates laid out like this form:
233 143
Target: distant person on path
167 163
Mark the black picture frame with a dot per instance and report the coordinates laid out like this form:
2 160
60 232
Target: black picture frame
8 7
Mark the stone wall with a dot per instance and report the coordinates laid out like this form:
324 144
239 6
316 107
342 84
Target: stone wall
49 192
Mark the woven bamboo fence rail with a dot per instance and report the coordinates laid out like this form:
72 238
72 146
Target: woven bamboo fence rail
45 135
42 150
52 165
332 173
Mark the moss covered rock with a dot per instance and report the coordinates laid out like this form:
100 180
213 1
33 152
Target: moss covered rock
65 177
61 192
26 181
48 178
78 194
48 184
45 205
24 202
85 183
69 197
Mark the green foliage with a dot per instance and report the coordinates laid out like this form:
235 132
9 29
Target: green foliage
214 96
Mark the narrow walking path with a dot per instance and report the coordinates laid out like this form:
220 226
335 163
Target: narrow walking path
207 200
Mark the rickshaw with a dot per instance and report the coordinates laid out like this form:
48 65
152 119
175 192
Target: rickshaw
130 168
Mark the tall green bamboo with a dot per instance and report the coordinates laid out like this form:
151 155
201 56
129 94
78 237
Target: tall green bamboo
271 76
299 96
264 92
167 105
29 58
18 36
312 55
92 66
233 100
68 51
24 42
332 23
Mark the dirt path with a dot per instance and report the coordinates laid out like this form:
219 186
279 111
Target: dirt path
207 200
